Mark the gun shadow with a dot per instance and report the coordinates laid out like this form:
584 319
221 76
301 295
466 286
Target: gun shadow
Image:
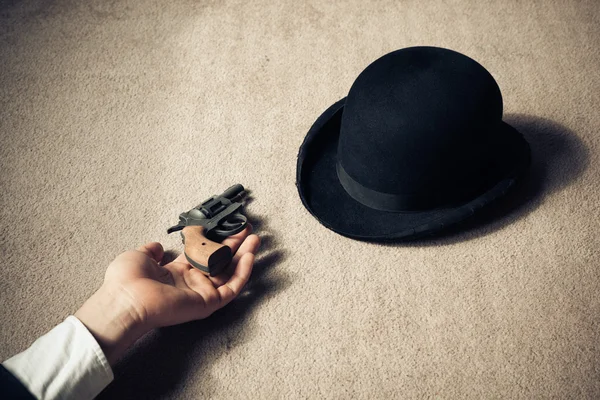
159 363
559 157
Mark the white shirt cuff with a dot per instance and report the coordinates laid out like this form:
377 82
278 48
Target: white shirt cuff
65 363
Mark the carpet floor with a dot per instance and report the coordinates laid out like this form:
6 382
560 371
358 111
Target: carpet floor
116 116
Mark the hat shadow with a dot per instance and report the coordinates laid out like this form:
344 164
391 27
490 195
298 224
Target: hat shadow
558 158
159 363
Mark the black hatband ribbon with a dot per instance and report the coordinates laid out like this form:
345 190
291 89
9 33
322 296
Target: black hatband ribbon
380 200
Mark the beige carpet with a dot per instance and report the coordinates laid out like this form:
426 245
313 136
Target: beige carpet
117 116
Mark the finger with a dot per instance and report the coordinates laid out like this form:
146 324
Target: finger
236 240
250 245
154 250
199 282
232 288
219 280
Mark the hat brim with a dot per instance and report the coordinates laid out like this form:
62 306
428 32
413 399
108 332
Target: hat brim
325 198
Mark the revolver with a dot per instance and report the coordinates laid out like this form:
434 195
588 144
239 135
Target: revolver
206 225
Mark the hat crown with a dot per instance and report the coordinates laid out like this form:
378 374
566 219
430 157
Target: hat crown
421 122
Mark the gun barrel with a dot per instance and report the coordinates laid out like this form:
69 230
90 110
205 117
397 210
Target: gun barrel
233 191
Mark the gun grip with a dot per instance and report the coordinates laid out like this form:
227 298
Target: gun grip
206 255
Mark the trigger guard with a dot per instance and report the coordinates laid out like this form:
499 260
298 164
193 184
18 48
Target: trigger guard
223 230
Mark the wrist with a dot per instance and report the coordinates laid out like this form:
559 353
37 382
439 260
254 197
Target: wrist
111 317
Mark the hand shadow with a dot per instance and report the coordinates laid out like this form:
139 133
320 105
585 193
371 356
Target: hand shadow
161 361
558 156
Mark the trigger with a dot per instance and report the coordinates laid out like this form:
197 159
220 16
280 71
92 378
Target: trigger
232 225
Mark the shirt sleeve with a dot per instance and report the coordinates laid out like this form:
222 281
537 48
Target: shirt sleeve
65 363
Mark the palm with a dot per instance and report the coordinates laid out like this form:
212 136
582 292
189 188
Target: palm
177 292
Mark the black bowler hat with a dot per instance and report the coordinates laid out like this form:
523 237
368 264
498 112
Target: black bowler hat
417 145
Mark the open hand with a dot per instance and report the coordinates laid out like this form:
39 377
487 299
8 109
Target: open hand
139 294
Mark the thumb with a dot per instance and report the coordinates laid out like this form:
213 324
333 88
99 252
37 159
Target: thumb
154 250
